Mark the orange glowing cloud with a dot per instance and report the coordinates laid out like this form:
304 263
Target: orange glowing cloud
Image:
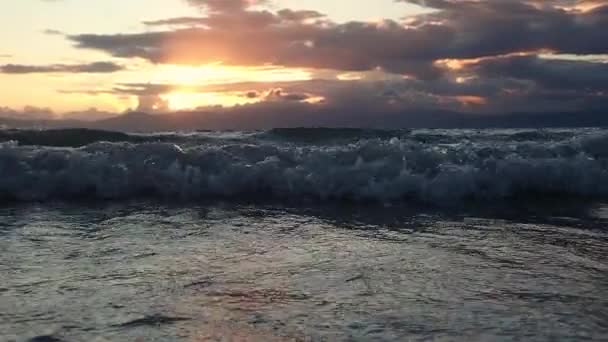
469 100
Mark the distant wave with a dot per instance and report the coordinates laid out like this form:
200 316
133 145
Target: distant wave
423 166
316 135
73 137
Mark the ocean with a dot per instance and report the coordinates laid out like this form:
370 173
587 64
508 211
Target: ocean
304 235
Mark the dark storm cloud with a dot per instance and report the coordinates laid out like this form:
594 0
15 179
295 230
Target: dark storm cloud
487 28
288 38
547 73
352 48
236 34
97 67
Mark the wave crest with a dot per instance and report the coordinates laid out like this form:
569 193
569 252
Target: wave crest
387 170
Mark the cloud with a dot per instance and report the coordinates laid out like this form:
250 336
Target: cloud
473 57
42 113
398 102
279 94
235 34
503 84
28 113
188 21
546 73
225 5
363 112
97 67
489 28
52 32
152 103
88 115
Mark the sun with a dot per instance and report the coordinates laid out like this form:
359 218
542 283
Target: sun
217 84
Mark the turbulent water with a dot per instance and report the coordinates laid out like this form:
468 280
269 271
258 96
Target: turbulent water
307 164
304 235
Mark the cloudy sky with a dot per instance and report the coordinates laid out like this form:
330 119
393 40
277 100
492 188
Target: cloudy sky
346 62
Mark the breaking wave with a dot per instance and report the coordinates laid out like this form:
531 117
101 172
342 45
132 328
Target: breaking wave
423 166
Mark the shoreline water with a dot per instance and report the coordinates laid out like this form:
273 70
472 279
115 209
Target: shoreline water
156 271
503 237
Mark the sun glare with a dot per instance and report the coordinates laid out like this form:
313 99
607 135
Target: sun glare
202 86
218 74
190 100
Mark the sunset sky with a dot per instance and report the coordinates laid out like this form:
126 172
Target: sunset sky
97 58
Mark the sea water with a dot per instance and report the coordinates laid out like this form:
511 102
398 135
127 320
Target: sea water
304 235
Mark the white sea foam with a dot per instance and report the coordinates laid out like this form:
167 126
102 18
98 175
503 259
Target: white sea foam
437 167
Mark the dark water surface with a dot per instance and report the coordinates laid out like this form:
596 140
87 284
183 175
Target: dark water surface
333 272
